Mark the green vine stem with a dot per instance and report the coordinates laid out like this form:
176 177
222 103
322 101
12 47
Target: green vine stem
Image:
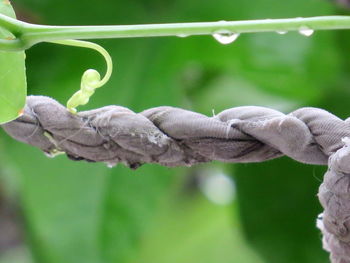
27 35
91 79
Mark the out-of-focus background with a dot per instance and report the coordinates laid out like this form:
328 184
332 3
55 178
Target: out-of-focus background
56 210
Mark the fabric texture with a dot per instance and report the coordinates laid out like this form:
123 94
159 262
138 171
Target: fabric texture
172 136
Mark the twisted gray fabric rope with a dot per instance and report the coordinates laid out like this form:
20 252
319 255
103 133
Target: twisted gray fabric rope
175 137
334 195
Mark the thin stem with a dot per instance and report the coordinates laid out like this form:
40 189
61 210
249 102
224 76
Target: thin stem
30 34
96 47
11 24
91 79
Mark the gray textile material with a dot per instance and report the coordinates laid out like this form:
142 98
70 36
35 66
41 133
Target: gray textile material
175 137
334 195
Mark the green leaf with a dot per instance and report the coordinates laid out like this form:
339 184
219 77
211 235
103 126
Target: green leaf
13 84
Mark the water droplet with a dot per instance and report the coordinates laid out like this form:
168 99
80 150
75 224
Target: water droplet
111 164
49 154
281 32
225 37
182 35
306 31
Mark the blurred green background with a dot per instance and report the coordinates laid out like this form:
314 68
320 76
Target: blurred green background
56 210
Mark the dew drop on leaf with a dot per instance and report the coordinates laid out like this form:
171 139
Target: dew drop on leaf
225 37
306 31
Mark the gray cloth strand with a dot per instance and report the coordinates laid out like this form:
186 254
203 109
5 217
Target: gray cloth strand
175 137
334 195
172 136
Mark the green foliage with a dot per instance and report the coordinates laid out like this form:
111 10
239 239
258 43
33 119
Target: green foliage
277 199
13 78
79 212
